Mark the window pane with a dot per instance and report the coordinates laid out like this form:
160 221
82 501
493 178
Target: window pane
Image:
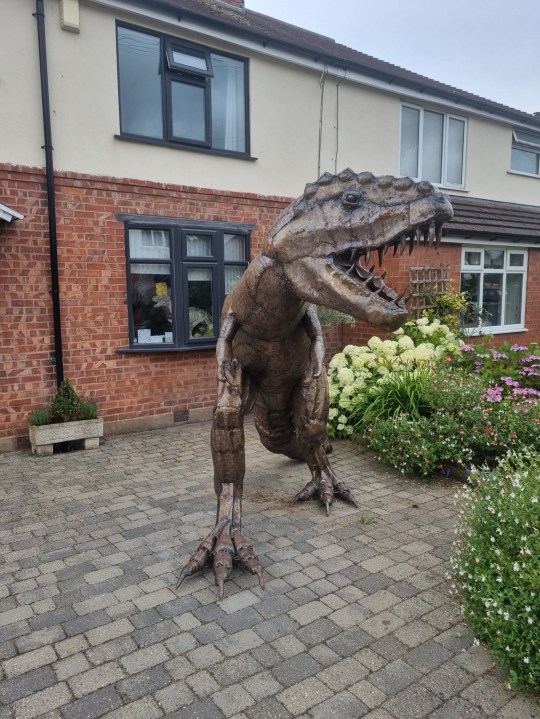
432 146
472 257
199 246
454 160
151 303
410 124
232 275
188 111
140 83
516 260
527 137
235 248
492 298
524 161
201 321
494 259
513 299
151 244
470 283
198 62
228 104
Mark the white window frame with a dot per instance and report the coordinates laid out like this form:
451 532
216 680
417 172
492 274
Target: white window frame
504 271
446 119
532 147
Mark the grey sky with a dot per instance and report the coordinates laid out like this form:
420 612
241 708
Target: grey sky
488 47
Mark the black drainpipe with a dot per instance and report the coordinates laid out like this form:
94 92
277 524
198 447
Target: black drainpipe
51 200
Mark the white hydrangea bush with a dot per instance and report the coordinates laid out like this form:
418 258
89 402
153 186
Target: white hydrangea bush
353 371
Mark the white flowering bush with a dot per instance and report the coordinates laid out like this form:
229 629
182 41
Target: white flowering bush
496 570
356 370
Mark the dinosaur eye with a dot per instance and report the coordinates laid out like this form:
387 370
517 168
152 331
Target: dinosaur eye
351 200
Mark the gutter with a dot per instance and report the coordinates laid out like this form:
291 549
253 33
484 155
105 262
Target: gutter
51 199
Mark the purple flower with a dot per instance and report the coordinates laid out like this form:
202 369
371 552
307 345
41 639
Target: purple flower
498 355
530 358
467 348
509 382
494 394
518 348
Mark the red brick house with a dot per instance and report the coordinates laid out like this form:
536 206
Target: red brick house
147 147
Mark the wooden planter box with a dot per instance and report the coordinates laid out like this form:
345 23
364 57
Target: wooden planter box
44 437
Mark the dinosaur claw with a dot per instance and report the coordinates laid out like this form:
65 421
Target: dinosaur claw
260 577
221 585
327 509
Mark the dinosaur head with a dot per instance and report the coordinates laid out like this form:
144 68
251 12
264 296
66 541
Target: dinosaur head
325 241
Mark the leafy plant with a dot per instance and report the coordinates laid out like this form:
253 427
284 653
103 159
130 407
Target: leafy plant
458 425
40 417
66 406
495 564
353 372
330 318
396 393
89 410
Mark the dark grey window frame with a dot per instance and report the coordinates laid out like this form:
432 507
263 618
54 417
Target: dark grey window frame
179 263
188 75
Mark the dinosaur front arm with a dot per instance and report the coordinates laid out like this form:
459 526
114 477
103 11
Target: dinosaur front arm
313 330
224 353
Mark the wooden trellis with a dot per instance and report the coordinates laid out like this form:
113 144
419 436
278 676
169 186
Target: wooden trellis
426 284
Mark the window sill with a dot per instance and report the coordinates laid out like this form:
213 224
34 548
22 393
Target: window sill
497 331
523 174
157 349
179 146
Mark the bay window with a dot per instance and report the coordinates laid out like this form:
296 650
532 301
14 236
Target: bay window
432 146
495 279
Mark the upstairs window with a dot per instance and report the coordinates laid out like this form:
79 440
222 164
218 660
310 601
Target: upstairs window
178 92
179 274
525 153
432 146
495 279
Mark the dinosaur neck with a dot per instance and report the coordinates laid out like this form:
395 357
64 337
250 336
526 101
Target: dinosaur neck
268 303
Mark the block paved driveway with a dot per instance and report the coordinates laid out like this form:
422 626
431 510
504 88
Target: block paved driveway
356 620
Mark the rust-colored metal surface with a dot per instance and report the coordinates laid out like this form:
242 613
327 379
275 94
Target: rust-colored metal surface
270 350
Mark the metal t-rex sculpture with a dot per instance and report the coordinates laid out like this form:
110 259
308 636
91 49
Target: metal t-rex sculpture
270 349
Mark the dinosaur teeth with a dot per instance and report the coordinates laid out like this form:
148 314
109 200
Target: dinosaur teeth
411 242
380 252
402 243
368 254
438 235
431 234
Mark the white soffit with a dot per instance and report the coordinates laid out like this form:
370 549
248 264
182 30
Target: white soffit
392 87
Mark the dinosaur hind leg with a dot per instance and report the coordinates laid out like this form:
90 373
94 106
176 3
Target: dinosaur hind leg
225 543
310 419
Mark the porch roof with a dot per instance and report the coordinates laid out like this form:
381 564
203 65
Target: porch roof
494 220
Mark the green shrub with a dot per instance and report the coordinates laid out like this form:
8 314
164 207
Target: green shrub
495 564
458 425
396 393
353 372
420 447
40 417
66 405
89 410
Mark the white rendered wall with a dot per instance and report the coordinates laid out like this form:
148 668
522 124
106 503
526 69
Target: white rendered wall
285 102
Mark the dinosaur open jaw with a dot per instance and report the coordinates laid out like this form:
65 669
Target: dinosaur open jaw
349 261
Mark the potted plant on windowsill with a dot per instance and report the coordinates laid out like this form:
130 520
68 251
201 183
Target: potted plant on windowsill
68 419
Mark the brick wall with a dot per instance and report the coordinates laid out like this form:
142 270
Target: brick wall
93 296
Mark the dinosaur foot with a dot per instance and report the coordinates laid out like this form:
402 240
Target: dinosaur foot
223 546
326 487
